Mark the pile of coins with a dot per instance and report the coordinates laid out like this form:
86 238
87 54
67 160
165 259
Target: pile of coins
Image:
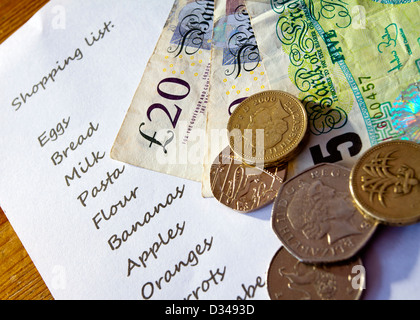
323 216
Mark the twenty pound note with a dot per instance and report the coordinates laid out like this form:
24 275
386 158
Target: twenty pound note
164 129
348 62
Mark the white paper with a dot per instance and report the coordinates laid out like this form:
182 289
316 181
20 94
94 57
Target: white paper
192 248
223 252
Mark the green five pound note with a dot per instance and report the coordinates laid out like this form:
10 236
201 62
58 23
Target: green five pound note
347 61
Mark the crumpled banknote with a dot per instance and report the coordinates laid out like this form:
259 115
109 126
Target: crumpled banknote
237 72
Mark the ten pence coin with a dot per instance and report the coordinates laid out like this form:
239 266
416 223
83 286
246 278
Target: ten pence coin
315 219
291 279
241 187
267 127
385 182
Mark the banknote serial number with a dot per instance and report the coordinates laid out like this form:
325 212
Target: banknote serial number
368 92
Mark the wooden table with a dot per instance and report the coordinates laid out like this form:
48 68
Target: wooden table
19 279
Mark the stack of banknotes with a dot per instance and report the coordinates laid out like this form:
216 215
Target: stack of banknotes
352 66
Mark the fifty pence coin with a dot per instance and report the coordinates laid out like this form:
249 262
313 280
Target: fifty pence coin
291 279
242 187
267 128
385 182
315 219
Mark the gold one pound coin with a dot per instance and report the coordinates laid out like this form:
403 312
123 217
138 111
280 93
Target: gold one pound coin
385 182
267 128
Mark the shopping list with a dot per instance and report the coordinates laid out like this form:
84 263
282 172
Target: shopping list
95 227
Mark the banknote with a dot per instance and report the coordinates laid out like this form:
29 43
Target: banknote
237 72
164 127
347 61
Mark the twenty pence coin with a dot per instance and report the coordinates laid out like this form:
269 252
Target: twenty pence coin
385 182
242 187
315 219
291 279
278 117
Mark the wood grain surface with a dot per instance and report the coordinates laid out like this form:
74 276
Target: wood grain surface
19 279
